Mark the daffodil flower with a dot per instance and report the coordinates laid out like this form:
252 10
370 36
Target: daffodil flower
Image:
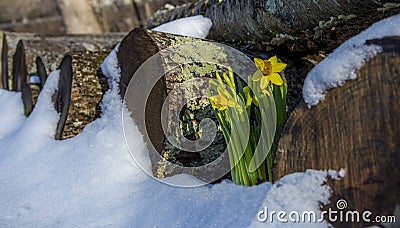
270 69
223 100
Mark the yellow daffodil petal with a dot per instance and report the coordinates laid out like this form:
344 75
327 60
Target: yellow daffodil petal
266 92
264 82
221 108
223 99
219 102
273 60
216 100
259 62
278 67
275 79
255 101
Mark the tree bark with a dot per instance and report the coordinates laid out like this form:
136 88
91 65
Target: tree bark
355 128
86 92
138 47
297 25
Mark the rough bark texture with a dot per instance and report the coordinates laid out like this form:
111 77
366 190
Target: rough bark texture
86 92
292 25
356 128
134 50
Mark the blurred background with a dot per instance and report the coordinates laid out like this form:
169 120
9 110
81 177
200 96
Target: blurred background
59 17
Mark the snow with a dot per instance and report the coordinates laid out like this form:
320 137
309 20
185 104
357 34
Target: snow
292 194
343 63
91 179
337 175
34 79
196 26
12 116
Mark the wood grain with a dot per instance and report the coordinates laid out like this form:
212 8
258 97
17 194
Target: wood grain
356 128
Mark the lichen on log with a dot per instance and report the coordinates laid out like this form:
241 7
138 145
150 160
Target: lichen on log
86 92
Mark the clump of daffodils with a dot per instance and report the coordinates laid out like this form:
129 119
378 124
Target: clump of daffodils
250 118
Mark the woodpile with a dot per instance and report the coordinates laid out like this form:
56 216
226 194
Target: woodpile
356 127
29 54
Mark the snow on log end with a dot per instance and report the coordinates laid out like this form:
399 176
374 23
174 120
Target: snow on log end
343 63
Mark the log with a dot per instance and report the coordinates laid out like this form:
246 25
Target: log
4 64
20 73
298 26
27 99
138 47
356 128
62 97
41 71
86 92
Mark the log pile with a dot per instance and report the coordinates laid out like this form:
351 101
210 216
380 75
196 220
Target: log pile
355 128
29 54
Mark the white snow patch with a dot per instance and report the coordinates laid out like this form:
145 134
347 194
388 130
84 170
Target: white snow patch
342 173
337 175
343 63
11 112
196 26
298 192
91 179
34 79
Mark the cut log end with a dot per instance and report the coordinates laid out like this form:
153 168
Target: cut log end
355 128
62 97
4 64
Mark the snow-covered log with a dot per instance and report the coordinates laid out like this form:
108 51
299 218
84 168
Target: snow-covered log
294 25
356 127
52 48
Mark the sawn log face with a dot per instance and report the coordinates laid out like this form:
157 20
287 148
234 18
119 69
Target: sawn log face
356 128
